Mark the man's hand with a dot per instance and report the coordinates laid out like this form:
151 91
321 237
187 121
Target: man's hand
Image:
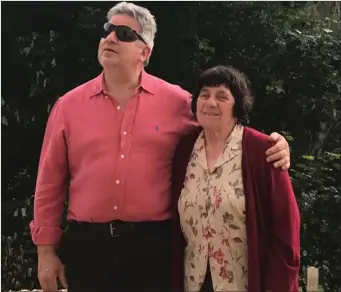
280 152
49 269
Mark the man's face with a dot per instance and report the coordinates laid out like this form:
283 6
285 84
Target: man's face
113 52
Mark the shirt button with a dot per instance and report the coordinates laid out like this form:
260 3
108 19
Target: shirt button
124 133
122 156
106 97
117 182
118 107
115 207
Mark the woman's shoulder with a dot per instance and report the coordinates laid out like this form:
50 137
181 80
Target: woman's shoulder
190 138
254 139
184 149
255 144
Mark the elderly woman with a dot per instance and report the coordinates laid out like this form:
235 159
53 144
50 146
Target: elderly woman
238 214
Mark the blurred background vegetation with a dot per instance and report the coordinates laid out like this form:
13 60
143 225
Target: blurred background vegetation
289 50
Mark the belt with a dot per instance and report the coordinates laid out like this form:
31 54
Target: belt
119 228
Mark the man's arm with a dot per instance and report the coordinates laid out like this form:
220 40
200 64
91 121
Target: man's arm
50 190
279 153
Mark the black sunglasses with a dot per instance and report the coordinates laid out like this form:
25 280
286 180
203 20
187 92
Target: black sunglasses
123 33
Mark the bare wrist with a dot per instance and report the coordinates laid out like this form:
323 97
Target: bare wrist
45 249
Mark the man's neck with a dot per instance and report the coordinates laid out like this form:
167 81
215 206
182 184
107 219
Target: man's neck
121 84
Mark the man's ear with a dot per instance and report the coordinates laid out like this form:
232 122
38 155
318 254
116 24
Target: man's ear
146 52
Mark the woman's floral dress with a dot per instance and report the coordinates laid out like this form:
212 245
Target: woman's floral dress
212 215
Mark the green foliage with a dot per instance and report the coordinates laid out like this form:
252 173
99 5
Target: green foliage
317 181
289 50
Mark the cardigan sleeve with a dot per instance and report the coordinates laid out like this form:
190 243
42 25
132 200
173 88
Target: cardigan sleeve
283 226
179 166
281 218
284 244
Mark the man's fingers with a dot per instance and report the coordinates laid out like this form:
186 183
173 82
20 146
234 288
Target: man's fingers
284 164
280 145
62 278
49 285
274 137
53 285
277 156
44 284
48 282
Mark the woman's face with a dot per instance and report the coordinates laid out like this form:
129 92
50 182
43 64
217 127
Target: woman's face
215 107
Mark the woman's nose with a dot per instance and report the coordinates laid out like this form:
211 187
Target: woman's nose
212 102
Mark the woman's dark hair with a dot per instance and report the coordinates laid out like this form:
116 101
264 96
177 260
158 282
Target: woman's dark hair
235 81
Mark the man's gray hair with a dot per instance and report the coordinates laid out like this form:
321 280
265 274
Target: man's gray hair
143 17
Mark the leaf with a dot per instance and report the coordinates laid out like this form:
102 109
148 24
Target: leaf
237 240
235 183
208 203
26 50
190 222
23 212
4 121
219 172
195 231
308 157
239 192
235 227
227 216
230 276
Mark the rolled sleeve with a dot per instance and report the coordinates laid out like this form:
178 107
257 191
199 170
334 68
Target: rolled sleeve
50 193
45 235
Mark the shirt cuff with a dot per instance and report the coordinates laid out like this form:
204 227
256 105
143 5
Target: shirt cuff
45 235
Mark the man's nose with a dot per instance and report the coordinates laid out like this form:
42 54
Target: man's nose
112 37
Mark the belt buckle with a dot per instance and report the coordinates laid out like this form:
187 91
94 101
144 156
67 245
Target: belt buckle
112 230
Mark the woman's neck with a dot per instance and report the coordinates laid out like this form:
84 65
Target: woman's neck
216 138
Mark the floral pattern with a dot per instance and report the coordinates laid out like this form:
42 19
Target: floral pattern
212 216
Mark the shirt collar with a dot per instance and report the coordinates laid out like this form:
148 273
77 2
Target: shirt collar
146 83
231 149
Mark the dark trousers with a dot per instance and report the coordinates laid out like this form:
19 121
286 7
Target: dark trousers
207 286
103 258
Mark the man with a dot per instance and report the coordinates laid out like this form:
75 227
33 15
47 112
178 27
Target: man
111 142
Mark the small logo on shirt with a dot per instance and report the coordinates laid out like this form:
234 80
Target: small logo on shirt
157 128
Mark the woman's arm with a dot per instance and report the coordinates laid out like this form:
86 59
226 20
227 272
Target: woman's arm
284 242
181 158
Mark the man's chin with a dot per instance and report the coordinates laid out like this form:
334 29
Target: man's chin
108 63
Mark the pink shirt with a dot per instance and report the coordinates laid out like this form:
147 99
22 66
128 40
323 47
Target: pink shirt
118 162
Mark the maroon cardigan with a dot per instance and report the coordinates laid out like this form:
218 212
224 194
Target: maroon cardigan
272 217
